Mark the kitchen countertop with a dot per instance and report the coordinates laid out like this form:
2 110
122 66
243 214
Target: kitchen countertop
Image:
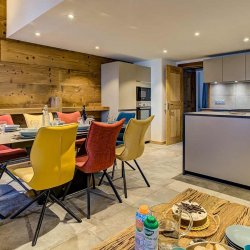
239 114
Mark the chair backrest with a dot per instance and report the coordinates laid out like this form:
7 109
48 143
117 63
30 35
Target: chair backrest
69 117
100 145
53 156
7 119
134 138
35 121
125 115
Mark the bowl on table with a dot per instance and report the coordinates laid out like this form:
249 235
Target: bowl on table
28 132
11 128
208 245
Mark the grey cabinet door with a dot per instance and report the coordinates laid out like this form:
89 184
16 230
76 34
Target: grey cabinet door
234 68
213 70
248 66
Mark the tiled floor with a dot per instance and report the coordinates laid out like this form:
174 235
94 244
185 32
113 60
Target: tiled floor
161 164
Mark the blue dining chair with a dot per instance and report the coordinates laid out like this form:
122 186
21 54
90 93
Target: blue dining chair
127 117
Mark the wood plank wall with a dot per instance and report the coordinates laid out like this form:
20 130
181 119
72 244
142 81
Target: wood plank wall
30 73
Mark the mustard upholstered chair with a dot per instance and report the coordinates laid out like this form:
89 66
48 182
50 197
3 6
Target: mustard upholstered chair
133 147
35 121
52 163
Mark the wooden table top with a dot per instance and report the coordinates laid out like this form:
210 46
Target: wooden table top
229 213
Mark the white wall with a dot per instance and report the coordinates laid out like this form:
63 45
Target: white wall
158 97
22 12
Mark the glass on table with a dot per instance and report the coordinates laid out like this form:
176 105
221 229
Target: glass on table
2 126
56 121
170 225
80 121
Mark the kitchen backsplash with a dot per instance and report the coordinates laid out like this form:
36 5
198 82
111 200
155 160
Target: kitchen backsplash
230 96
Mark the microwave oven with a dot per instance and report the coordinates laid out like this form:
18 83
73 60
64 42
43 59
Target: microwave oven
143 94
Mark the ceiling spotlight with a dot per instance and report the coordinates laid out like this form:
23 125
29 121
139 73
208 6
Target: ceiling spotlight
246 39
38 34
235 81
165 51
97 47
215 82
197 33
71 16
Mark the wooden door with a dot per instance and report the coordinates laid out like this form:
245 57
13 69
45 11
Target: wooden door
174 96
189 90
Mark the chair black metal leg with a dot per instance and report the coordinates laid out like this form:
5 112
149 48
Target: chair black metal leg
100 182
66 190
93 180
113 170
29 204
88 196
2 169
16 179
39 224
65 208
129 165
124 181
112 186
144 177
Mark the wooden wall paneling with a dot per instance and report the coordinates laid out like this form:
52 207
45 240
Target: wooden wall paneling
21 52
2 18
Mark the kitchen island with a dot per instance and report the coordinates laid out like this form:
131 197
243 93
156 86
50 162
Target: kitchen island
217 146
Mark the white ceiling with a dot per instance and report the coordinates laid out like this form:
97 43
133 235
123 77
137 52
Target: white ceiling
140 29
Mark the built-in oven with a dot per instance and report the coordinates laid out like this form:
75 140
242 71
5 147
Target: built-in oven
142 113
143 94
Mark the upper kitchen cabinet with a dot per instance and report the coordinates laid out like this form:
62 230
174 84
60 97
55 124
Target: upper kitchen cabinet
234 68
248 66
142 74
213 70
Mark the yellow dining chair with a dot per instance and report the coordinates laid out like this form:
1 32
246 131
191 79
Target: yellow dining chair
52 164
133 148
35 121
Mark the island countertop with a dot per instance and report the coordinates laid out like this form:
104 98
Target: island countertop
240 114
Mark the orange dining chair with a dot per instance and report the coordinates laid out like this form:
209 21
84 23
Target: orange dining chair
100 148
52 164
10 155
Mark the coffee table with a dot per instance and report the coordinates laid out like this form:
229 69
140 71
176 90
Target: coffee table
230 213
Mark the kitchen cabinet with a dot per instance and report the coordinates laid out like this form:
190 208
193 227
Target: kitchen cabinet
118 86
248 66
213 70
234 68
142 74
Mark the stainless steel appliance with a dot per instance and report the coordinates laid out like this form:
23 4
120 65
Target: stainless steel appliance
142 113
143 94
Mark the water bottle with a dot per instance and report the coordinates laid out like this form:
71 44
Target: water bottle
151 233
46 118
84 114
141 216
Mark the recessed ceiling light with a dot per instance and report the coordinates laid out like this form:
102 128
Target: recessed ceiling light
246 39
165 51
235 81
197 33
38 34
215 82
97 47
71 16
